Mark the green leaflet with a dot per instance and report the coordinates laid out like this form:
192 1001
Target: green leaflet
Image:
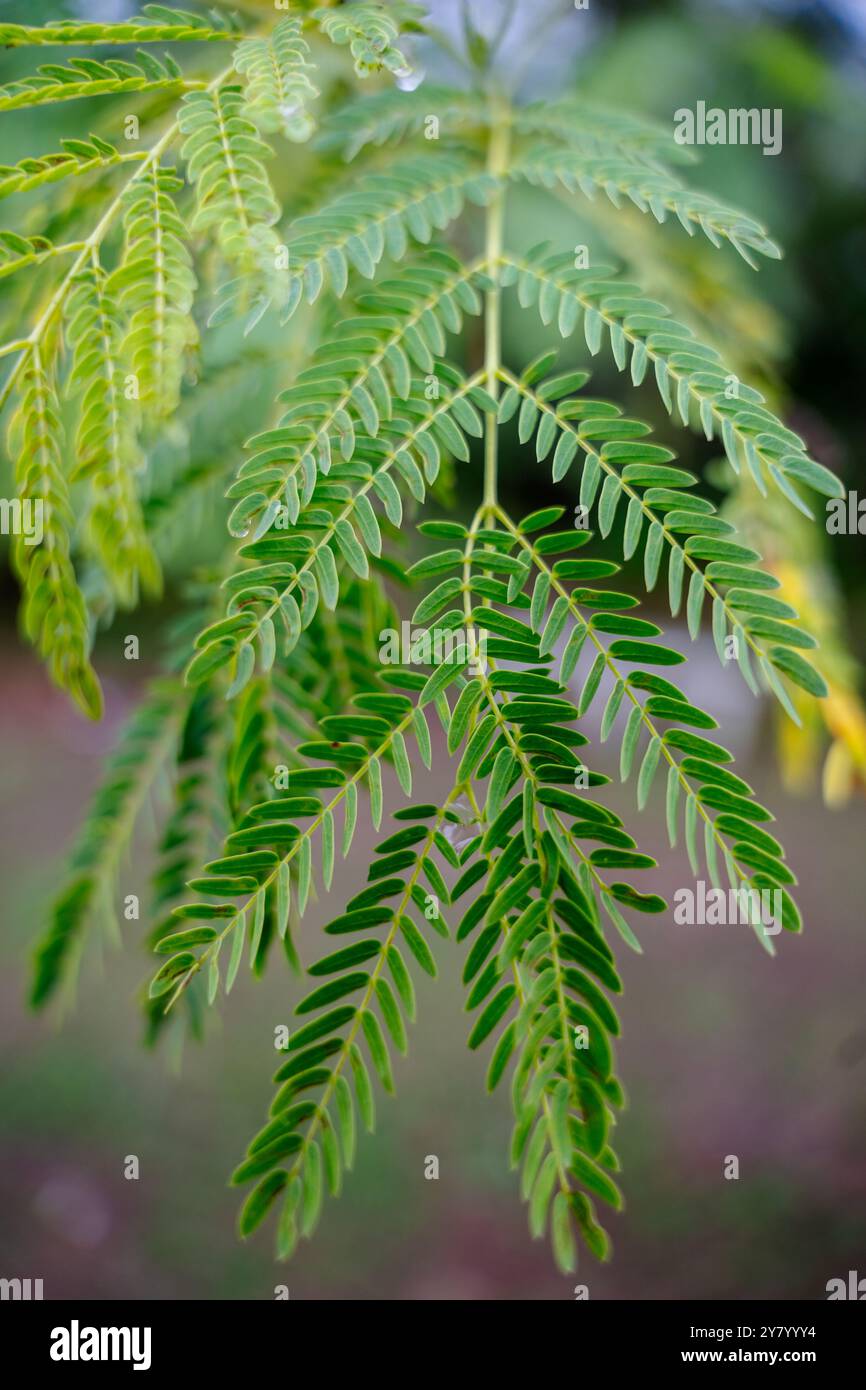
375 787
629 742
462 713
695 603
799 671
611 709
238 935
647 770
671 803
504 768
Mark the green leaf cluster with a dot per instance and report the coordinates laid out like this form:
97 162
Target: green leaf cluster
358 280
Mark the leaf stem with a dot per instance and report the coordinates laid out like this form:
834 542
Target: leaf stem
497 165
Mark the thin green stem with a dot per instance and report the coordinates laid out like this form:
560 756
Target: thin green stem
497 166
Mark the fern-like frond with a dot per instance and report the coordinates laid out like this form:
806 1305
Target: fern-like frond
156 24
107 452
370 30
619 464
576 122
652 190
279 88
389 117
154 285
522 965
87 77
563 1103
267 867
346 395
18 252
393 117
224 155
517 730
514 727
53 612
315 1138
691 377
228 758
414 198
76 157
697 780
295 571
235 202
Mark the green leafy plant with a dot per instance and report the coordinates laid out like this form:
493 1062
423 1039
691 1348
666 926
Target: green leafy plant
277 716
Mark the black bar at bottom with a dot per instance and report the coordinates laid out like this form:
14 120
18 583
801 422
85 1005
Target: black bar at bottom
253 1339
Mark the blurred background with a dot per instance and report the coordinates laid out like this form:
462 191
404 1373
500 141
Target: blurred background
726 1052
